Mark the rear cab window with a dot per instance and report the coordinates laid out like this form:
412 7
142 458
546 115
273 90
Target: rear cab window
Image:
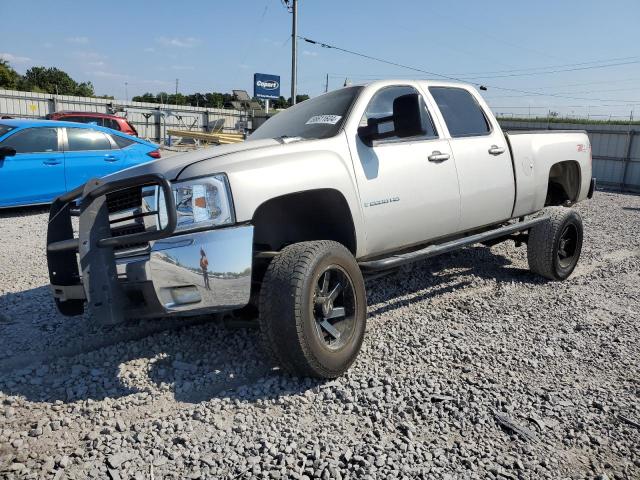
461 111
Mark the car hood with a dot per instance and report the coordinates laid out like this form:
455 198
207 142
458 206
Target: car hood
171 166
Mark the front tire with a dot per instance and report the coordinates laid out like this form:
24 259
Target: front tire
554 245
313 309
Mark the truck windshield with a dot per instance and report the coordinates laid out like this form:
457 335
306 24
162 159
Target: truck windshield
320 117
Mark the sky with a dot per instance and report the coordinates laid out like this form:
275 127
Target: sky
574 57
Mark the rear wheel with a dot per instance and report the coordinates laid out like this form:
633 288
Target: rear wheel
313 309
554 245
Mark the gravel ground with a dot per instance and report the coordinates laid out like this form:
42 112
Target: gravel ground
472 368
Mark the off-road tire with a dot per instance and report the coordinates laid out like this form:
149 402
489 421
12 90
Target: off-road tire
545 239
286 318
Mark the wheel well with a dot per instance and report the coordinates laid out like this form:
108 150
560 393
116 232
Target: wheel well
321 214
564 183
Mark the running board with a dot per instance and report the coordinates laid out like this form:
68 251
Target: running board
433 250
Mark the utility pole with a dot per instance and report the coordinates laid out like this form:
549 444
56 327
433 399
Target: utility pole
126 91
326 84
176 92
294 50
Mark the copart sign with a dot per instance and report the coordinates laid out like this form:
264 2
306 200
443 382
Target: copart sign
266 86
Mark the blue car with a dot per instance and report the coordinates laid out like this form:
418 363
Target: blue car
41 159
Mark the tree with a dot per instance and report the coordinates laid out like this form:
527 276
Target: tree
286 102
85 89
53 80
178 99
280 102
146 97
9 78
208 100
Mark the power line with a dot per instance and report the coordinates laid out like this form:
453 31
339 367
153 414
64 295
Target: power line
456 79
533 70
326 45
249 44
575 69
584 91
454 20
608 81
539 88
609 60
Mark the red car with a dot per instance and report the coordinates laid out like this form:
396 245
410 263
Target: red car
101 119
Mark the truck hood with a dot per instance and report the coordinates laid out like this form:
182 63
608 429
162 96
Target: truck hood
172 165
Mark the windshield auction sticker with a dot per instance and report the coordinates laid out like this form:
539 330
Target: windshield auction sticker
324 119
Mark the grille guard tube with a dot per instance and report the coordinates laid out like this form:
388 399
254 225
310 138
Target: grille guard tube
97 260
60 206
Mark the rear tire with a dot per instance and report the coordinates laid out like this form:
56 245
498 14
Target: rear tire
554 245
313 309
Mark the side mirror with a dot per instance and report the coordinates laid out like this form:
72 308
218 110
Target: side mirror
7 152
369 132
405 121
407 116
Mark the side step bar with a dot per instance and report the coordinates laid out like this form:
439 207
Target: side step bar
433 250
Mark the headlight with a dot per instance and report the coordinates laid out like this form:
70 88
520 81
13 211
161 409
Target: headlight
201 202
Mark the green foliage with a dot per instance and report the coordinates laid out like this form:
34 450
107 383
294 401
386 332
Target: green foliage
147 97
208 100
43 80
279 103
9 78
53 80
286 102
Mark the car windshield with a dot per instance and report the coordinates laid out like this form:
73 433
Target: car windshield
4 129
319 117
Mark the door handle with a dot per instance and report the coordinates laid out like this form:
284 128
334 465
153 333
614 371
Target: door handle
496 150
110 158
438 156
51 161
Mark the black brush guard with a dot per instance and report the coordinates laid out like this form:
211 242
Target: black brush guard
99 281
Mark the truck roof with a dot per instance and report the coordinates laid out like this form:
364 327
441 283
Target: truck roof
425 83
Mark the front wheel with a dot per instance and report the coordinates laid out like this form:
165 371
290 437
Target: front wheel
554 245
313 309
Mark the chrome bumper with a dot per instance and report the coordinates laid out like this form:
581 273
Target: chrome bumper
170 280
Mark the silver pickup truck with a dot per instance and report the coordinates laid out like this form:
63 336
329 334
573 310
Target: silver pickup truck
284 225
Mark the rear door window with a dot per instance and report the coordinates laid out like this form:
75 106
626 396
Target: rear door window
33 140
462 113
111 123
121 141
87 139
77 119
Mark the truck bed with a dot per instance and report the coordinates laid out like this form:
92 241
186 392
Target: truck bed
534 154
